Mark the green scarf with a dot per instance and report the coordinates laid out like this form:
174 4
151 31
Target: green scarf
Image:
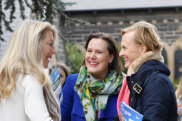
94 93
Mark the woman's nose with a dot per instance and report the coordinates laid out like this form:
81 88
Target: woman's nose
54 50
121 53
93 56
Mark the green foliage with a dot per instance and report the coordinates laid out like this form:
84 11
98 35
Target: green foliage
175 84
10 5
75 56
122 61
44 10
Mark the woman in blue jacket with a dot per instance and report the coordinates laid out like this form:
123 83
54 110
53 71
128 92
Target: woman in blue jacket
151 91
92 94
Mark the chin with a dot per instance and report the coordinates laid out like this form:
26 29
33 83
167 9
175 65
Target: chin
45 66
127 66
91 71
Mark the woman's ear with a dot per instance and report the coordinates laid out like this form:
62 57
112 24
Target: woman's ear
143 49
111 58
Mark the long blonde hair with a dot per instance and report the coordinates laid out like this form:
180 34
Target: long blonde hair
24 55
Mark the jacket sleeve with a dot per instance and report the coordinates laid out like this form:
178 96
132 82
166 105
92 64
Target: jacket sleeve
157 98
67 103
34 103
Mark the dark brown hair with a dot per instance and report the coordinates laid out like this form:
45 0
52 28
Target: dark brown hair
112 48
61 66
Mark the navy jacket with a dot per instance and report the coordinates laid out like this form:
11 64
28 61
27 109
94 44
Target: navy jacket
72 109
152 93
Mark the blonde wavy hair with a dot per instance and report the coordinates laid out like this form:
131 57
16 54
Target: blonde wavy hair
145 33
24 55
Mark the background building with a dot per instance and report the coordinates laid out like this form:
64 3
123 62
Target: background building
111 16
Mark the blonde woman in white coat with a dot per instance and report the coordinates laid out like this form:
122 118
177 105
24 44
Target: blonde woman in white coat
25 92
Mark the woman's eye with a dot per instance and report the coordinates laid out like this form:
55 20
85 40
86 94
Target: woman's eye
51 44
89 50
123 47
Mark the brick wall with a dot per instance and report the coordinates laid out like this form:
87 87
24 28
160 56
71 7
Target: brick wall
168 21
60 44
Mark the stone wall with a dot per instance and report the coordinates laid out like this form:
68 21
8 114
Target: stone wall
168 21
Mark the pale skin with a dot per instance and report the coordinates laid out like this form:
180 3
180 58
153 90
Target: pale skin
130 50
48 47
97 58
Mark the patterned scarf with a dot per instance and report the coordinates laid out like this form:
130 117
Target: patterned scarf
94 93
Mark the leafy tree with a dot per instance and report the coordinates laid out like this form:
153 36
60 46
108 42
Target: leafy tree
44 10
75 55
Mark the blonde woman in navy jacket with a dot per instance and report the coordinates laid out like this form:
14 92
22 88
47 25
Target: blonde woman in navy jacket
151 91
92 94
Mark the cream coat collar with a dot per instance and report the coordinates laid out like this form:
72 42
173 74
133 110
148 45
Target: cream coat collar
134 67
